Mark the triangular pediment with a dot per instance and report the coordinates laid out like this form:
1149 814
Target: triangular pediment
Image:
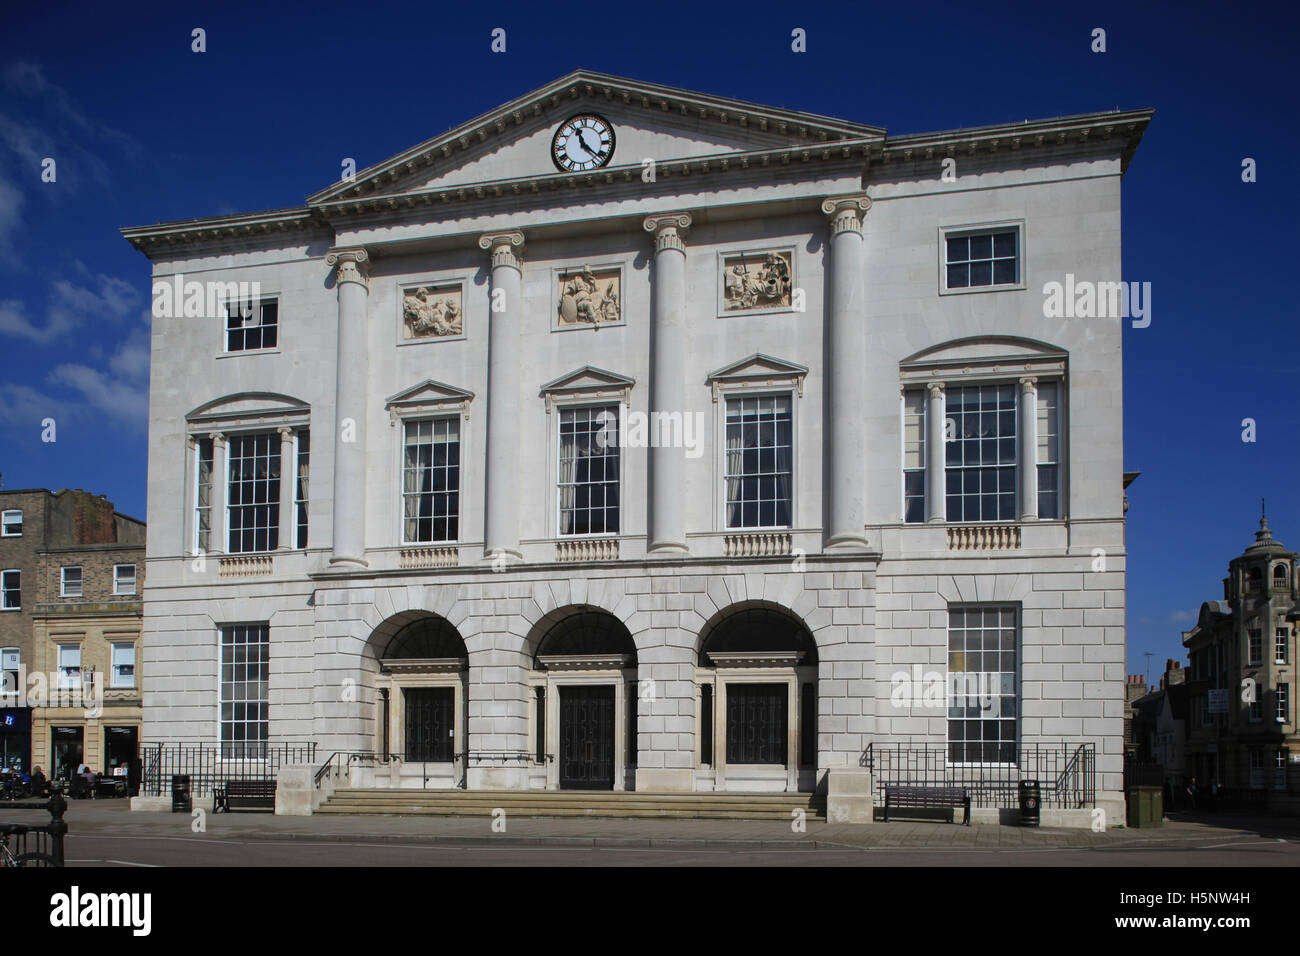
587 377
513 142
587 382
428 394
758 370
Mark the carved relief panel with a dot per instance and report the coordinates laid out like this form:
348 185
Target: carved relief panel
432 311
589 297
761 280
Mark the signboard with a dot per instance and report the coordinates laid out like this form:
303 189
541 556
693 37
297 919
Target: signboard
1219 701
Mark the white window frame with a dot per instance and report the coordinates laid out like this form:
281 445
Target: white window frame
978 229
262 300
194 492
1017 679
221 699
117 578
620 411
434 415
1282 703
6 519
1281 642
274 445
1018 412
727 395
65 680
5 670
115 664
902 451
63 581
6 588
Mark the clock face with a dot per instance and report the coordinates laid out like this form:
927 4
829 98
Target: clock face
583 142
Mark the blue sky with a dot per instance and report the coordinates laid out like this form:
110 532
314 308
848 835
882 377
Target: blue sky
144 130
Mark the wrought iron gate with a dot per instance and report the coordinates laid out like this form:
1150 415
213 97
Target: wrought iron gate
429 724
757 716
587 738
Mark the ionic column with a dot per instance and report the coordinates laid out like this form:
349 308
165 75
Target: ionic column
501 531
1028 448
667 525
846 402
936 456
287 467
350 408
217 496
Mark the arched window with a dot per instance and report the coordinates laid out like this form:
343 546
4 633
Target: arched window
1254 581
587 631
1279 576
426 638
758 630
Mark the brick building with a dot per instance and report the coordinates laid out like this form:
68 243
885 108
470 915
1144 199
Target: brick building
73 572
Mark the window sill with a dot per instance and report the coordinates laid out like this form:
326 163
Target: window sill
226 355
1017 287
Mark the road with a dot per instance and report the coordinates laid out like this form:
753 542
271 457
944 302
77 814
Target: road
107 850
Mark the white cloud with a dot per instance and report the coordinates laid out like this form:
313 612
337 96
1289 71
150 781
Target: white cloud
24 408
70 306
122 391
14 321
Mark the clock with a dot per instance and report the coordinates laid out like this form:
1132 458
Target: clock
582 143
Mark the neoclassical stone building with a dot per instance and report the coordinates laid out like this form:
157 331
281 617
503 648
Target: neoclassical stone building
629 437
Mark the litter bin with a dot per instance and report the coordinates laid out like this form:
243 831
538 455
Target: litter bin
1030 803
1145 806
181 802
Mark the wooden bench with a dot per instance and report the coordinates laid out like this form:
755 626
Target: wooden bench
245 795
927 798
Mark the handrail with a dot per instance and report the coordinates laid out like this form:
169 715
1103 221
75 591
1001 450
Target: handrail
352 756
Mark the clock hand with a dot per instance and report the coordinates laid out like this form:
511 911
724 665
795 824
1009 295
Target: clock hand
582 135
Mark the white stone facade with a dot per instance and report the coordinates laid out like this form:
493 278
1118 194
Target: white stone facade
481 211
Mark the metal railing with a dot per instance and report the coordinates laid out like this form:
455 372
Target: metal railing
1066 773
36 845
341 761
212 765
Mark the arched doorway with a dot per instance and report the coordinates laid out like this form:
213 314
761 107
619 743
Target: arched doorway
584 691
756 708
421 705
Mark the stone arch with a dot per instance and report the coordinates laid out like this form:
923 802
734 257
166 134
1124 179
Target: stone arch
581 629
415 634
776 628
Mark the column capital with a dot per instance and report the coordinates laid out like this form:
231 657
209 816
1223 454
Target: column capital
843 212
935 389
502 246
667 229
350 264
1028 383
218 439
285 432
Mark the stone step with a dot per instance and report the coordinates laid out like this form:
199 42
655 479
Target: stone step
725 805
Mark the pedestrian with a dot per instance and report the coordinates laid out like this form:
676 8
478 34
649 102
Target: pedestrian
1191 794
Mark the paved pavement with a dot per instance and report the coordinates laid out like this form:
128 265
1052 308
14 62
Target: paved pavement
106 832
